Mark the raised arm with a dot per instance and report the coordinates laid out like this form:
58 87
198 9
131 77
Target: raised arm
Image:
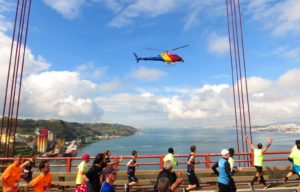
249 142
268 145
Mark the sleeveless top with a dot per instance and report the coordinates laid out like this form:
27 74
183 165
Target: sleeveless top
258 157
131 169
192 165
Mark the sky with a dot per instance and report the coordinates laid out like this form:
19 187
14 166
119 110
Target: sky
80 64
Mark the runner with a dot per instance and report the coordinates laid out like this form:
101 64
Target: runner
167 172
132 179
94 174
170 156
193 180
233 169
11 177
110 178
295 159
82 169
224 175
42 183
258 161
107 161
28 169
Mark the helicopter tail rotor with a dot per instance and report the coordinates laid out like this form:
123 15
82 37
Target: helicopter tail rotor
136 57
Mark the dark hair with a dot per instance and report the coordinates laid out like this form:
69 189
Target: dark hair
171 150
259 146
134 152
297 142
163 184
231 151
193 148
98 159
106 152
42 164
32 154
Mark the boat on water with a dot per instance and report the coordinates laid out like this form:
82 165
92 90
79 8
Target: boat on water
71 150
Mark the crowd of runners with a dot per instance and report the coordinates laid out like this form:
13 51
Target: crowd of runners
100 177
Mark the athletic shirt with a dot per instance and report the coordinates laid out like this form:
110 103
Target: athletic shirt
231 162
258 157
223 177
192 165
295 155
106 187
131 169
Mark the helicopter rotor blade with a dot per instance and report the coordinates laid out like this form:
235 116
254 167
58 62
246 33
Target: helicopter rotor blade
153 49
179 47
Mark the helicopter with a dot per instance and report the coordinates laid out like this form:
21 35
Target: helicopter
165 56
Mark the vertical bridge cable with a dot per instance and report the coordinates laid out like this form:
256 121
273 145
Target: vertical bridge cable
14 80
8 76
235 37
233 87
21 78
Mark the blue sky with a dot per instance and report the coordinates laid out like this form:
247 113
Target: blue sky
80 65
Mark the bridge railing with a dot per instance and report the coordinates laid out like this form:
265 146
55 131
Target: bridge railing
155 162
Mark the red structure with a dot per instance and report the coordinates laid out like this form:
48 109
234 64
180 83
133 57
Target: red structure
42 140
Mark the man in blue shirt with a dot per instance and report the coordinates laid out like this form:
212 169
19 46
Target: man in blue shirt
224 175
110 177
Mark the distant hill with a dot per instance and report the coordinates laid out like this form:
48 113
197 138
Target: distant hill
72 130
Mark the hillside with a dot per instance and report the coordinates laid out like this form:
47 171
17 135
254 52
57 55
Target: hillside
72 130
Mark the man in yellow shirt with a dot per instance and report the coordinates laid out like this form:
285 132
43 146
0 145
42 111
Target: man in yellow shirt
82 169
11 176
295 159
42 183
258 161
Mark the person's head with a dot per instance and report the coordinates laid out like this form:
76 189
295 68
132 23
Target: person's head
86 157
163 185
17 160
44 166
98 159
225 153
259 146
168 165
193 148
107 153
32 155
297 142
171 150
110 174
134 153
231 152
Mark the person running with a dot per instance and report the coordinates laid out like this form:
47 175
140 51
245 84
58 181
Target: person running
193 180
28 169
258 161
224 174
110 177
233 169
167 172
131 165
94 174
170 156
11 177
107 161
295 159
82 169
42 183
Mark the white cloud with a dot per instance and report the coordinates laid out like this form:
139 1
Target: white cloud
290 79
282 17
218 44
90 71
68 8
142 7
114 85
147 74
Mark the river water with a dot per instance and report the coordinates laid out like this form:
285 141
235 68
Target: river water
157 141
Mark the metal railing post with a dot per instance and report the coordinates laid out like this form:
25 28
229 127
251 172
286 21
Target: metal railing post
68 164
207 161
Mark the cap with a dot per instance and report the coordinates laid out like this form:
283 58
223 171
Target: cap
224 152
85 156
109 170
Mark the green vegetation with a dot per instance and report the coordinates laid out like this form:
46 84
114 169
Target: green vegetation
72 130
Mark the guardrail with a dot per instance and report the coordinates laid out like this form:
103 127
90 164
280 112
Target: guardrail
156 161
